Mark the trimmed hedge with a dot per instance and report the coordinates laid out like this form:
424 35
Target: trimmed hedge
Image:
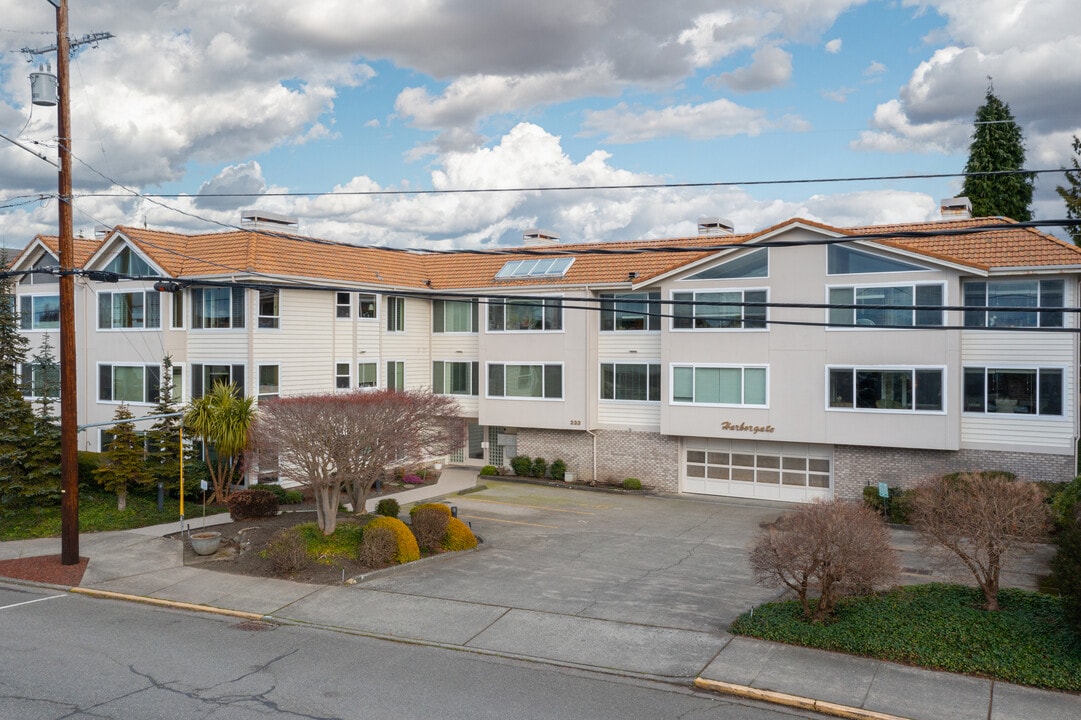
899 503
388 507
632 484
459 536
558 469
254 503
422 506
407 548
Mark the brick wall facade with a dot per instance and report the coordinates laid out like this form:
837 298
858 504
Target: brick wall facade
651 457
855 466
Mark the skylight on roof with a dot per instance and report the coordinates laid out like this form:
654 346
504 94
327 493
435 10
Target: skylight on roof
541 267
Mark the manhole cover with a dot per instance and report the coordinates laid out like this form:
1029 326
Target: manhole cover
254 625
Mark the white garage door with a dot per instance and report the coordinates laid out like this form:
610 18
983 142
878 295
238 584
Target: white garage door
792 472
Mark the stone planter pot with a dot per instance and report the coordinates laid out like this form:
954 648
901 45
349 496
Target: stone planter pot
205 543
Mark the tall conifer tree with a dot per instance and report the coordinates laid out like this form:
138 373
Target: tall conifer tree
1071 192
998 145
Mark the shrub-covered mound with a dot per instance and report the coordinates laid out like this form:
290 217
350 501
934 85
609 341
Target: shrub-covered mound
407 549
459 536
942 627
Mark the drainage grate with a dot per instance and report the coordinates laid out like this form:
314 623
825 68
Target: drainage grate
254 626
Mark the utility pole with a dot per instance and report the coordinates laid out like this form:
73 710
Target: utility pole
69 399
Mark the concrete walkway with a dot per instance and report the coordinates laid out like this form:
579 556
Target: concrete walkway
633 585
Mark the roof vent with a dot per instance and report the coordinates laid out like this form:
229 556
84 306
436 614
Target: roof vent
536 236
714 227
101 232
260 220
956 208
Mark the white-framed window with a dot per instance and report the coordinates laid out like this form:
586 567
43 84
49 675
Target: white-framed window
395 375
39 312
269 386
630 312
843 260
204 375
367 306
454 316
1024 391
543 314
720 310
133 384
269 310
176 300
136 310
178 383
870 302
752 264
631 381
395 314
990 298
217 308
900 389
342 379
343 305
368 374
45 262
720 385
525 381
455 378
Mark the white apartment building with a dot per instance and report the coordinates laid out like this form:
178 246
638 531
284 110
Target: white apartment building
803 361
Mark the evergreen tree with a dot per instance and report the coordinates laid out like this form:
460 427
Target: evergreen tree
122 462
16 415
43 454
998 145
1072 195
163 439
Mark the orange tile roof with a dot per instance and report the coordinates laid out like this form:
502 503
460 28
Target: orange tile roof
82 248
249 252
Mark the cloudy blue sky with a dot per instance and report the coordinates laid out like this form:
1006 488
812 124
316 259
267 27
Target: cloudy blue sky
339 98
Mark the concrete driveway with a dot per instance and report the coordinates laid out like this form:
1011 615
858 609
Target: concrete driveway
662 562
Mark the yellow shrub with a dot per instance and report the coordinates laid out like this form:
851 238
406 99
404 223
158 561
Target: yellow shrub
438 506
407 544
459 536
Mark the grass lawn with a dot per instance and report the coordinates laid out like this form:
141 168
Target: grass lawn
97 511
940 627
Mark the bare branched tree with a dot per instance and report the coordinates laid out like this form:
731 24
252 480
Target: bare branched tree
831 549
348 440
981 519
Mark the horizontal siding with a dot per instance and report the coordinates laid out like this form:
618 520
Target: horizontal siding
465 346
615 345
629 414
305 346
1020 348
1017 431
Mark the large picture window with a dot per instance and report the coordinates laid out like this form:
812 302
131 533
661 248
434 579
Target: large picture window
129 310
733 309
622 312
531 314
455 378
203 377
989 296
869 302
217 308
139 384
1025 391
913 389
525 381
631 381
454 316
714 385
39 312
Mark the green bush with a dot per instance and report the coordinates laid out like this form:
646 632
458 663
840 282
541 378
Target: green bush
521 465
88 463
558 470
388 507
900 502
254 503
1065 499
1066 566
540 468
632 484
940 627
405 548
459 536
488 470
285 497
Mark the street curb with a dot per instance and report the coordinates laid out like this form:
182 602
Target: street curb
173 604
793 701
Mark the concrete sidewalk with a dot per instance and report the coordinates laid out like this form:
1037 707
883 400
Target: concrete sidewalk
620 610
